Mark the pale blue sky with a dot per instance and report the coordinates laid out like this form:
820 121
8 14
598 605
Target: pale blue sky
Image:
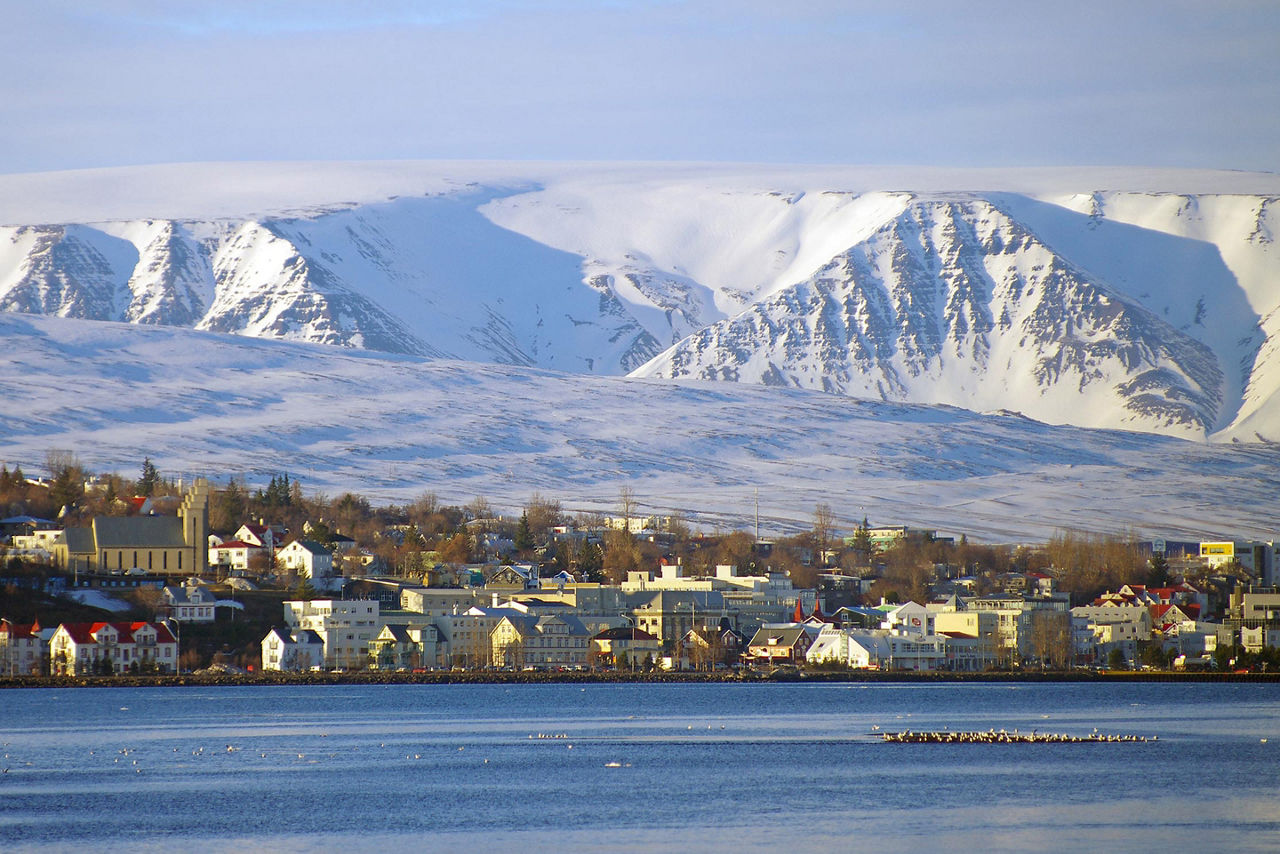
121 82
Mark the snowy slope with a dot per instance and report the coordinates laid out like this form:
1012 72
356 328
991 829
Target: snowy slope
1142 299
395 426
954 302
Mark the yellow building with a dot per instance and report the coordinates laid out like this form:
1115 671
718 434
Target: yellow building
160 544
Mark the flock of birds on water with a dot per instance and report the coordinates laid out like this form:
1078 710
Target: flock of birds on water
993 736
906 736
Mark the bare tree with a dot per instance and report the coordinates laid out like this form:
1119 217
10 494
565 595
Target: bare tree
479 511
626 504
543 515
824 530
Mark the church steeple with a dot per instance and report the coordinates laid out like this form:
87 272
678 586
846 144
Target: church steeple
195 525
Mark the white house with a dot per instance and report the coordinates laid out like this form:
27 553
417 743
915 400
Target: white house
191 603
22 648
306 558
878 650
233 555
263 536
298 650
1097 630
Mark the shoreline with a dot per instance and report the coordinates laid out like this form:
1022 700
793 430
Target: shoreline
206 680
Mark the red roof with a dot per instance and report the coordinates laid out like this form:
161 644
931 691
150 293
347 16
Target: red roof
80 632
236 544
17 631
163 635
83 633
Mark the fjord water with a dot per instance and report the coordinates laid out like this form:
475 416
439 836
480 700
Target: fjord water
637 767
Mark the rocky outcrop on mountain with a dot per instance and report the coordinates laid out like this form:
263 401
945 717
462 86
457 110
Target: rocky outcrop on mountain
954 302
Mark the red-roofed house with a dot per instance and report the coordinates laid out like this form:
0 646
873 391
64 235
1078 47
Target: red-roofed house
263 536
22 650
79 649
233 555
1166 617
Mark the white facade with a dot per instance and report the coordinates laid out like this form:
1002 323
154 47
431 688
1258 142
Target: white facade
22 648
292 650
878 650
86 648
233 555
307 559
345 626
909 618
191 603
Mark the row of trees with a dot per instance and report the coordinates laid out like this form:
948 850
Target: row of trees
1085 564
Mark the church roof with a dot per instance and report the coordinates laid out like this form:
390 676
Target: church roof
143 532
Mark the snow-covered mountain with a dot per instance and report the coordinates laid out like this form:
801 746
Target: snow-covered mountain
1140 300
395 426
952 301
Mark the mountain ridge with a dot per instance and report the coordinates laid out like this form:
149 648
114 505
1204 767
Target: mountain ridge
1115 308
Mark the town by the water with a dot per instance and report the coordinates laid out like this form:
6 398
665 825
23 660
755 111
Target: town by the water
106 577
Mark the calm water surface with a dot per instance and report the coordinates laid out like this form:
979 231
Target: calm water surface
636 768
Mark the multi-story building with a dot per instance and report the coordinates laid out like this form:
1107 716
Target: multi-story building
233 556
442 601
670 614
24 649
1255 558
306 559
403 646
78 649
559 641
297 650
345 626
193 602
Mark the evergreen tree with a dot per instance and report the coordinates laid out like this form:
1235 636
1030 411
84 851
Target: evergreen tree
862 537
589 561
227 510
150 478
319 532
1159 574
524 535
67 488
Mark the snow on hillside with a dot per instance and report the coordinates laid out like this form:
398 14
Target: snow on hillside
1142 299
394 427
